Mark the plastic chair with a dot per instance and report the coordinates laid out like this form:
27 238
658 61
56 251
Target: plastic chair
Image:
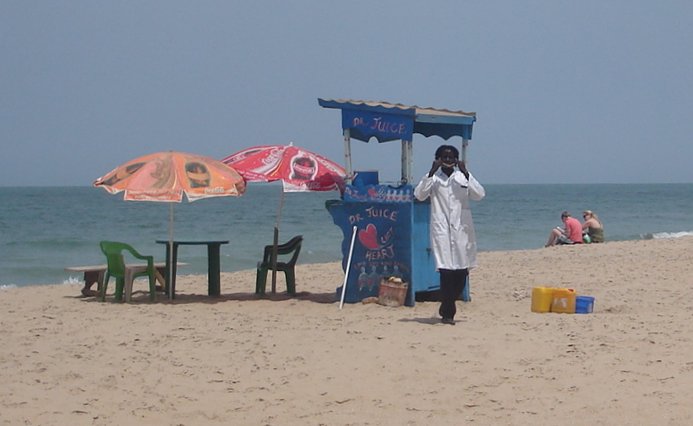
293 248
126 274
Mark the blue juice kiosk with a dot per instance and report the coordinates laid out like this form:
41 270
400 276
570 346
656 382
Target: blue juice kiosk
389 226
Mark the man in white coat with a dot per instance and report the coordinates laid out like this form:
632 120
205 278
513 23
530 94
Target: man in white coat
450 187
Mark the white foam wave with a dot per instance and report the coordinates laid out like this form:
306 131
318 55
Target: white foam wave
662 235
72 280
7 286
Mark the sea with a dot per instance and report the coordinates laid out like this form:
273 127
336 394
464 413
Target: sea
45 229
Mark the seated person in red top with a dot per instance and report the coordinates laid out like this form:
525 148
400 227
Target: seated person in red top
571 234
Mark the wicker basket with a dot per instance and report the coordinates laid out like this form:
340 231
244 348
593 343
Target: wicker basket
392 292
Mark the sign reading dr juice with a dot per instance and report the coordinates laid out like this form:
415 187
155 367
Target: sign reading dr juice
385 127
382 246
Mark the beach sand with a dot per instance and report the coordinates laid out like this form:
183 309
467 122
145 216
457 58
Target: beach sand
70 360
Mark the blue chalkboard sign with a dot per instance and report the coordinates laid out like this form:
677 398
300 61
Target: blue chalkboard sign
382 248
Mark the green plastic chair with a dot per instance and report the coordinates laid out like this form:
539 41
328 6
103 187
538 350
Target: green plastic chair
126 274
292 248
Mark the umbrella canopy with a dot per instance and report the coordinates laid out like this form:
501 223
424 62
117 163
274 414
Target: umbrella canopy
166 176
299 170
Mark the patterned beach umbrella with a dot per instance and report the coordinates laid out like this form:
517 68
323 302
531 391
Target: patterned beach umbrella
298 169
166 176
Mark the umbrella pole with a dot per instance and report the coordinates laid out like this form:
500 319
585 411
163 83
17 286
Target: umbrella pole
170 251
275 244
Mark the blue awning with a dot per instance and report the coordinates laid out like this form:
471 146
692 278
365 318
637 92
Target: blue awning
387 121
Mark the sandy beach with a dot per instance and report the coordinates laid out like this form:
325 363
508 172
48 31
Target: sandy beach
243 360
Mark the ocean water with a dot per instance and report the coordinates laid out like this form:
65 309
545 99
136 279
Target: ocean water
44 229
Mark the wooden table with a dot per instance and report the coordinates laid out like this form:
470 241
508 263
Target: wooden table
213 264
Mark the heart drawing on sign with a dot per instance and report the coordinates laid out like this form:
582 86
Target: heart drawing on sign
369 237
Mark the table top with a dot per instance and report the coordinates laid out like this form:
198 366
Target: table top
196 242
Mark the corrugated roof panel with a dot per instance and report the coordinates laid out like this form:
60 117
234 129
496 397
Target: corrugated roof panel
389 105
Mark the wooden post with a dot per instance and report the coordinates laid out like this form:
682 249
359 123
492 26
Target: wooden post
347 155
465 143
407 154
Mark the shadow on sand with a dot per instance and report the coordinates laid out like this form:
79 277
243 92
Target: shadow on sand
185 298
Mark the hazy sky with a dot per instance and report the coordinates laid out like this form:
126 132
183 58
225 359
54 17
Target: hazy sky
564 91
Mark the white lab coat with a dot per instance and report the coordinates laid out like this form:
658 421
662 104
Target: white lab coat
451 227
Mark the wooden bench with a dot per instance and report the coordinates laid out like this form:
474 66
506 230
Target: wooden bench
95 274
